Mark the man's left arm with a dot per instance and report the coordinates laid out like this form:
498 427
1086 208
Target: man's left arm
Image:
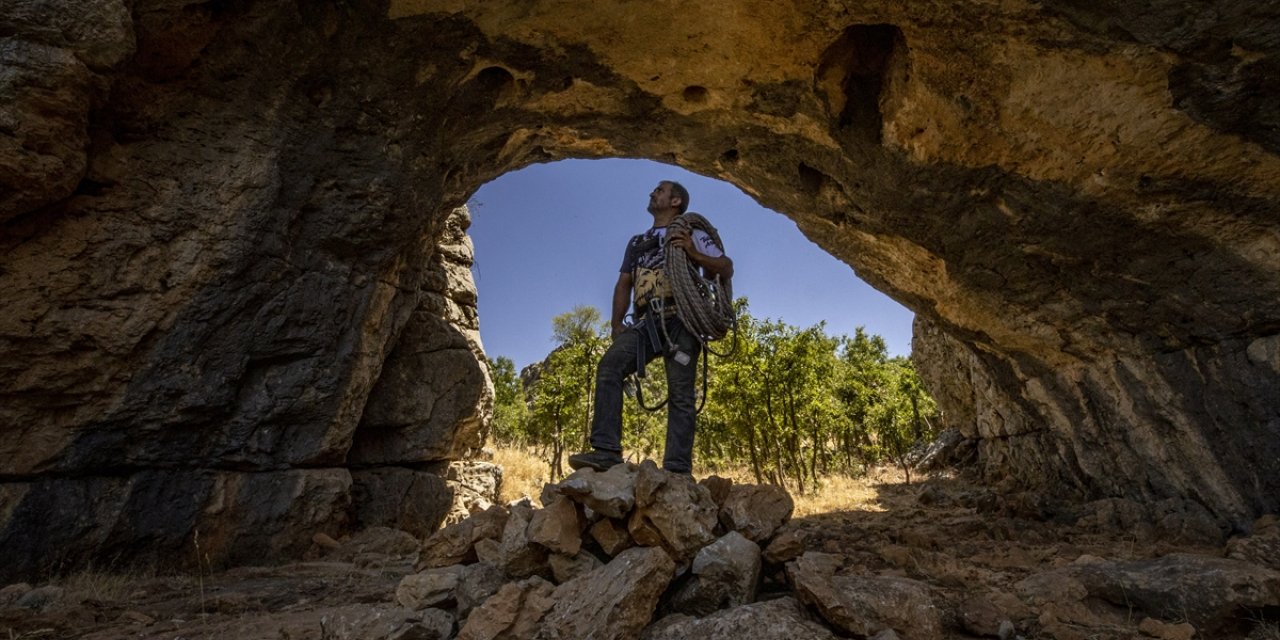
712 266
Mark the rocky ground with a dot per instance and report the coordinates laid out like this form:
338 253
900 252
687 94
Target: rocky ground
937 559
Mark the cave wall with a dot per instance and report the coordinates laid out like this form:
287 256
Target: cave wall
230 235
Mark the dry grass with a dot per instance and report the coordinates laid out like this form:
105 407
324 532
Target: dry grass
100 585
524 475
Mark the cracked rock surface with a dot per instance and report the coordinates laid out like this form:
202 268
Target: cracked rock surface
227 283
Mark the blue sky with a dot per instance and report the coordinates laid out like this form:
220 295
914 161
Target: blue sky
551 236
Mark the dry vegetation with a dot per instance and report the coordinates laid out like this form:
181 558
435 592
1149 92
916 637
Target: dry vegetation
524 474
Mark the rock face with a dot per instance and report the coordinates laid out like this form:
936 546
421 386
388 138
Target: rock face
221 275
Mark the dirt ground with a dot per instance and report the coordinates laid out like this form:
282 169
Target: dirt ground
969 545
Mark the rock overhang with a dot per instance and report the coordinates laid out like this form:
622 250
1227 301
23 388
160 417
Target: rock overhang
1088 238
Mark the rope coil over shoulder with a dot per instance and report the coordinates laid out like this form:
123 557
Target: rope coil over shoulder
705 307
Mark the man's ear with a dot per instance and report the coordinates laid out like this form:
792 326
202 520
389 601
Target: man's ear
677 201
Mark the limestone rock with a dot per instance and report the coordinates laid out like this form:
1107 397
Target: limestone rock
757 510
1208 592
1261 547
613 602
10 593
725 574
785 547
672 511
214 264
382 542
40 598
558 527
455 544
778 619
405 499
865 605
611 494
515 612
565 568
719 488
429 588
520 556
982 617
1165 630
475 486
611 535
477 583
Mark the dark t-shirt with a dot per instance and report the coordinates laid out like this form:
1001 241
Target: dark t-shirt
644 259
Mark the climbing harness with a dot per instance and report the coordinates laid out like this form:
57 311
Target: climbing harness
704 307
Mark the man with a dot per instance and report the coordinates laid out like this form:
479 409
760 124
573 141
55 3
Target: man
657 332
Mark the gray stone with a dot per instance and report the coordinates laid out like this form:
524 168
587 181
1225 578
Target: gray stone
1210 593
558 527
429 588
611 493
457 543
565 568
520 557
613 602
865 605
515 612
40 598
725 574
756 511
210 263
611 535
778 619
476 584
1261 546
785 547
671 511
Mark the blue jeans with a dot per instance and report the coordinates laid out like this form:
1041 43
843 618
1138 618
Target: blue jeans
620 361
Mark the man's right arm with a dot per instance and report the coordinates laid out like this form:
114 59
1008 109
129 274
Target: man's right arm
621 302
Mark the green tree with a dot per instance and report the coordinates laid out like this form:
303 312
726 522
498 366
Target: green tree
510 410
562 392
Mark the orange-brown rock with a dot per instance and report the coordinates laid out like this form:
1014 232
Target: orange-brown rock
229 255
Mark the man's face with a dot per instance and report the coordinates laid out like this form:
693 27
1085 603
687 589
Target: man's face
660 199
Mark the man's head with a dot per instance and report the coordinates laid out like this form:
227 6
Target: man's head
669 195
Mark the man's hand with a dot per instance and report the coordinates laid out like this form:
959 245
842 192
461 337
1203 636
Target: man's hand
680 239
618 329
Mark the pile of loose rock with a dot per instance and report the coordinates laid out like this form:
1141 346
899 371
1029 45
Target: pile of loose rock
636 551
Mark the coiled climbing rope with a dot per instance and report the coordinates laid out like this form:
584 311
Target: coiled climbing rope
704 306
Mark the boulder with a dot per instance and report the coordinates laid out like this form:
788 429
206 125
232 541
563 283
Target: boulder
565 568
1211 593
672 511
475 584
475 485
865 605
778 619
611 535
611 493
1261 546
455 544
558 527
515 612
520 557
614 602
725 574
429 588
719 488
785 547
757 511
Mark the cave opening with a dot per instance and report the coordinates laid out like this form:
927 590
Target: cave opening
548 237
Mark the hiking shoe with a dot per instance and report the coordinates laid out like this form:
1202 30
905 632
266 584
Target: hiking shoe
598 460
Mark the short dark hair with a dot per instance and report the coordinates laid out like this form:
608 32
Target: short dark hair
681 193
